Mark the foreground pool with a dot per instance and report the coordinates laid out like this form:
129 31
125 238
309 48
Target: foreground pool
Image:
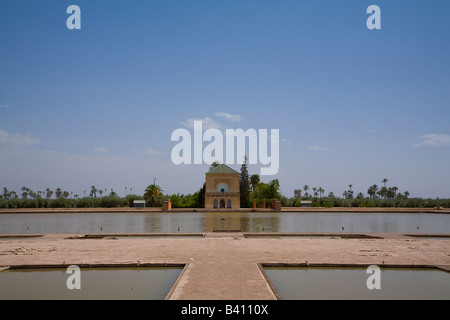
148 283
303 283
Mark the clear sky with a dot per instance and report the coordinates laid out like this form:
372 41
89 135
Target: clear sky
97 106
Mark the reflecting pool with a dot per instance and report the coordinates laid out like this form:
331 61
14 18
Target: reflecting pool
148 283
314 283
148 222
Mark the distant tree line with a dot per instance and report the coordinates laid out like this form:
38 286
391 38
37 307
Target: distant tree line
251 188
376 197
96 198
58 198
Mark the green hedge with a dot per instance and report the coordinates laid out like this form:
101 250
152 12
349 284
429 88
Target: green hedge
86 202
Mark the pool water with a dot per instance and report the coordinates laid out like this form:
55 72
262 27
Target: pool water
148 283
326 283
183 222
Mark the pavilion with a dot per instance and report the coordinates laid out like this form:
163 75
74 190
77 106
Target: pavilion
222 188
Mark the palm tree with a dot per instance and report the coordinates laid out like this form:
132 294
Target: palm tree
372 191
48 193
385 181
406 193
25 192
383 192
395 189
6 193
350 192
112 193
58 193
32 194
306 188
390 194
321 191
153 193
94 191
315 193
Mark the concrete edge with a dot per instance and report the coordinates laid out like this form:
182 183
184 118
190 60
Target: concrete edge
344 235
98 265
444 268
175 285
428 235
269 282
20 235
4 268
150 235
353 265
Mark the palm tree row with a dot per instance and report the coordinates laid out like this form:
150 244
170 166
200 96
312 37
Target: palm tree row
317 192
374 192
27 193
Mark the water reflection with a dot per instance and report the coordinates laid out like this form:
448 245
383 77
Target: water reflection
350 283
137 222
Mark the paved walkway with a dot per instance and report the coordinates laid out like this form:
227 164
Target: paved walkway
222 265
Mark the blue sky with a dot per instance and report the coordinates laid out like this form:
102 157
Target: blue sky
97 106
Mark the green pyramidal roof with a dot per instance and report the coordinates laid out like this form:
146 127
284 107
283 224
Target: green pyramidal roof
221 168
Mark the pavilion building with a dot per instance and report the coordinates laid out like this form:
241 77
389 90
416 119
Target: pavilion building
222 188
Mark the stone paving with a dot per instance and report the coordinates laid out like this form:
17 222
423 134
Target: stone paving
223 265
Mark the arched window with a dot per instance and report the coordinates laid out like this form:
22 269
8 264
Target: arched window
215 204
222 203
229 203
222 187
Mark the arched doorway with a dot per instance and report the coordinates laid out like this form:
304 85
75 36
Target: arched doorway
222 203
229 204
216 204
